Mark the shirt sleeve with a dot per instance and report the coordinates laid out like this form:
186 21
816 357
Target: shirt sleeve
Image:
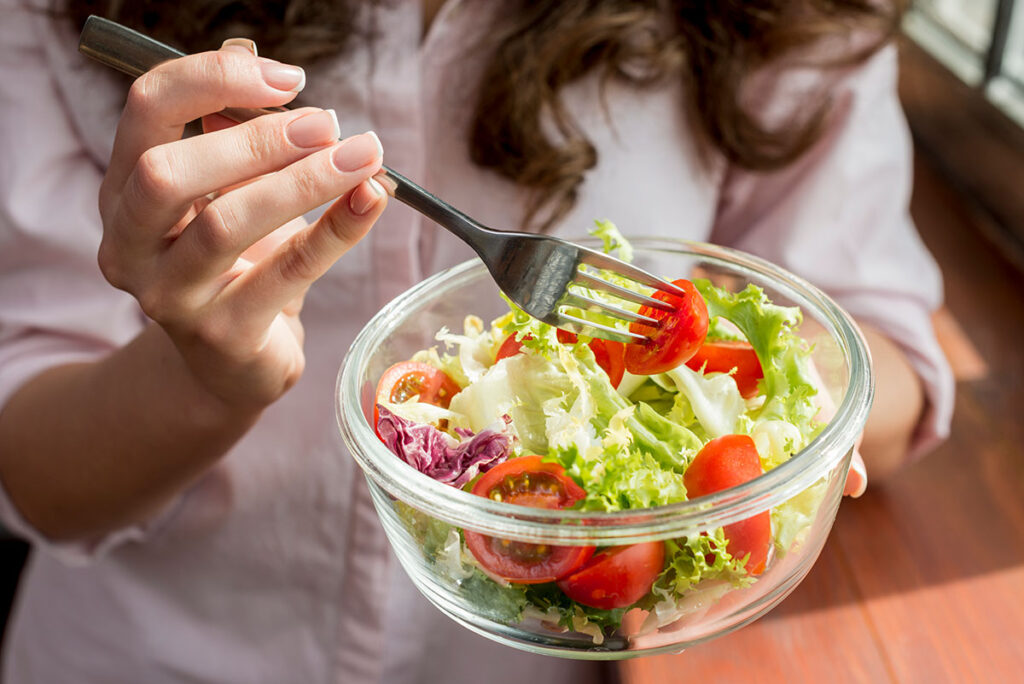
839 217
55 306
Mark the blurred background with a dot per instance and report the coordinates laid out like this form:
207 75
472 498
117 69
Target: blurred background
920 575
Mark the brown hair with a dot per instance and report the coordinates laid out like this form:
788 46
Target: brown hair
542 45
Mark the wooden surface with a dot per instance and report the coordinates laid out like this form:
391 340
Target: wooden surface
922 579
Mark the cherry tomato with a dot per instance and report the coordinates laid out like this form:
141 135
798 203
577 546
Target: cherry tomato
617 576
510 347
408 379
727 462
527 481
681 333
723 356
609 355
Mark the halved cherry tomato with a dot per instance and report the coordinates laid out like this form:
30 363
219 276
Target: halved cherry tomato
617 576
408 379
723 356
727 462
527 481
677 339
609 355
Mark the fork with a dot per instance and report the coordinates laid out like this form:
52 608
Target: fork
535 272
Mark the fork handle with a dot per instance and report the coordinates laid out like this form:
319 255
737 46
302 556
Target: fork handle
135 53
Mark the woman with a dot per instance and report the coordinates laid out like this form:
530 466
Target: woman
170 448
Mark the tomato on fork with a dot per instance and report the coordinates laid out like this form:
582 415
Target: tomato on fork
676 340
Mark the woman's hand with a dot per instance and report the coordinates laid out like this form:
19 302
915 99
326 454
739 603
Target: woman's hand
207 233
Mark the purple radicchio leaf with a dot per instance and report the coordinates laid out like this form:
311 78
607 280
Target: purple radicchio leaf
442 457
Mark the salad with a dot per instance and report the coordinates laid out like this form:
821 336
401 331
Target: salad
520 412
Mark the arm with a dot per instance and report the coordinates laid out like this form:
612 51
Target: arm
112 441
897 410
88 447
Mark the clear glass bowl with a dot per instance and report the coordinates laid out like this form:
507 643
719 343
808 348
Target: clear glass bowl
422 517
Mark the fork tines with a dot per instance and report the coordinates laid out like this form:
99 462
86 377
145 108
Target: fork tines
592 281
608 263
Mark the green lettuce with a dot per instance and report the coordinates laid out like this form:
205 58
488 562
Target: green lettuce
695 559
787 386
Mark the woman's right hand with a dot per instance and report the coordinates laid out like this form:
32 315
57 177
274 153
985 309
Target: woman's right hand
225 277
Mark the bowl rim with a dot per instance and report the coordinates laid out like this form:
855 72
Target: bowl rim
464 509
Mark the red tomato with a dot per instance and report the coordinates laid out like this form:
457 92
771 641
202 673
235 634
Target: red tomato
681 333
609 355
408 379
617 576
723 356
727 462
510 347
527 481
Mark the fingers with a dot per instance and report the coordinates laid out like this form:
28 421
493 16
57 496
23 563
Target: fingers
857 477
280 280
169 177
233 222
164 99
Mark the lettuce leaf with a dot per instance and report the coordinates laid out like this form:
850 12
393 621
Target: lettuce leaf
712 400
787 385
694 559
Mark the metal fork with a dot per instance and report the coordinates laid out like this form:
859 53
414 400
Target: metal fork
534 271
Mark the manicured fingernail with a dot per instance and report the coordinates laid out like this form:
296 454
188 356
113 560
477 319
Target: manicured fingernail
357 152
365 197
283 76
314 130
243 43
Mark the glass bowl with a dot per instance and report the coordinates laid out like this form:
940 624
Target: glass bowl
422 517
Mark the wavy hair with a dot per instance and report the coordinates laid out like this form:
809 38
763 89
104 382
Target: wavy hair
542 45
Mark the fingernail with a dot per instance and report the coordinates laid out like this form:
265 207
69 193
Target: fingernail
314 130
357 152
365 197
243 43
283 76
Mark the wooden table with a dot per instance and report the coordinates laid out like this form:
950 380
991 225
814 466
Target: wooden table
922 579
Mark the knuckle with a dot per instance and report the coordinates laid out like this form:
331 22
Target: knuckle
111 265
153 178
307 183
298 264
107 200
226 68
257 142
144 93
340 229
213 227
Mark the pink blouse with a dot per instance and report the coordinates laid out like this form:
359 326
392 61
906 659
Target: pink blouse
273 567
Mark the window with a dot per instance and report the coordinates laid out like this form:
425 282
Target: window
981 41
